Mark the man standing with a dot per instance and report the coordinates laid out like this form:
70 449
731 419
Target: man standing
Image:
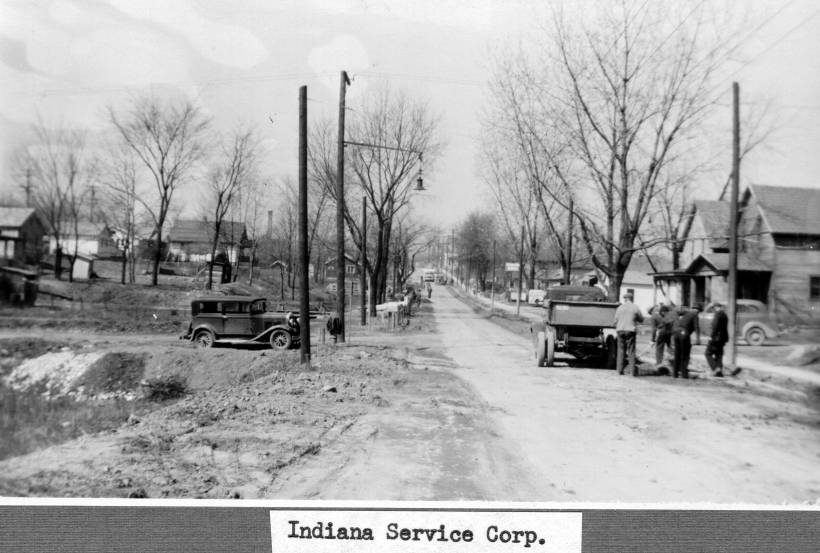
661 332
627 316
682 329
717 339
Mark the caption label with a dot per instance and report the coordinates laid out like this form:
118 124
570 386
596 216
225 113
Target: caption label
297 531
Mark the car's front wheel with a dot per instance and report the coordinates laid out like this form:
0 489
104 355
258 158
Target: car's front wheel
280 339
755 336
204 339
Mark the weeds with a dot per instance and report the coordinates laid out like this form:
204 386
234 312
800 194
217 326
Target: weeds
165 387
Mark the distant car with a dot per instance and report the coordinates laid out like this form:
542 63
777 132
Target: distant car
754 323
536 297
240 319
429 276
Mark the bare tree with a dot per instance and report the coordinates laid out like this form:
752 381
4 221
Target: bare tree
60 171
167 139
626 86
119 177
224 184
398 131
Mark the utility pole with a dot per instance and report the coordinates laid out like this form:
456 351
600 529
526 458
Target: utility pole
568 275
363 271
520 273
304 284
91 207
28 187
731 312
340 209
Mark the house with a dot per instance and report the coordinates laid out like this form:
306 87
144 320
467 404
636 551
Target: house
87 239
192 240
21 236
778 253
351 269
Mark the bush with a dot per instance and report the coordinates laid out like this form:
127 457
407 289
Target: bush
165 387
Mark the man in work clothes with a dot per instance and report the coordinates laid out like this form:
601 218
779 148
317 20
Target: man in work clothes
661 332
682 329
627 316
717 339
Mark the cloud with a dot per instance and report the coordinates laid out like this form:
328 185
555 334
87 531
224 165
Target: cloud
224 44
474 15
343 52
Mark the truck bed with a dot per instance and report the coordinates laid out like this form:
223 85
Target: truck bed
594 314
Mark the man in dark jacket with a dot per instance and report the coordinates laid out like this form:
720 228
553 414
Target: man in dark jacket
717 339
661 331
682 329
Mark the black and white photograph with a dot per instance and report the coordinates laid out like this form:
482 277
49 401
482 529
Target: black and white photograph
554 251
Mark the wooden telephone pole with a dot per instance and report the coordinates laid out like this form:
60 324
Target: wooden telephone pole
340 210
731 311
304 284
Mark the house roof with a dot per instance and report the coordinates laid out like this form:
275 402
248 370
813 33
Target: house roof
714 215
14 216
84 228
789 209
197 231
720 262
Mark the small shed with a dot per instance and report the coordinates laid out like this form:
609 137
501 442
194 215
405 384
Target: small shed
83 267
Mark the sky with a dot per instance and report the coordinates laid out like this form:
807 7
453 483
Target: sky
243 62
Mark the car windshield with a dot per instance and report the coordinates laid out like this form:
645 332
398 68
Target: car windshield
258 307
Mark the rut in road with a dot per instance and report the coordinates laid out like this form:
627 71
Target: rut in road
589 434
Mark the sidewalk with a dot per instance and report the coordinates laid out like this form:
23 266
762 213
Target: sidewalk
751 366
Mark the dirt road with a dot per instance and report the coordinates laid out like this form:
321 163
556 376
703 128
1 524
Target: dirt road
589 434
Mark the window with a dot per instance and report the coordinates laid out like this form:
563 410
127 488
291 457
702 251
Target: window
814 287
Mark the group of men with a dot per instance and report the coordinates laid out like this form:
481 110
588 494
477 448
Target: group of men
672 330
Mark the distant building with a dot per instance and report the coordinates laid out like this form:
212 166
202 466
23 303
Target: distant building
21 236
192 240
88 239
778 253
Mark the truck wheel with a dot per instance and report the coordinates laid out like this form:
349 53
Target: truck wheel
550 343
280 339
204 339
611 353
540 349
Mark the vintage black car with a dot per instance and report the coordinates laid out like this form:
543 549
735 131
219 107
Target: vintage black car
240 319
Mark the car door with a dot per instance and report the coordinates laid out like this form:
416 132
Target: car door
210 315
236 318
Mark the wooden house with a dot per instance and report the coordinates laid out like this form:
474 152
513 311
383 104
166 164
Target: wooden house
21 236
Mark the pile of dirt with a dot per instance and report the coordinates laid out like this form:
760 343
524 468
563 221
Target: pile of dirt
247 417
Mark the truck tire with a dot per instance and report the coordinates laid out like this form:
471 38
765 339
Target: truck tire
550 347
540 349
280 339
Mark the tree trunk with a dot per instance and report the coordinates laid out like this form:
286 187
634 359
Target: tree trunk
157 259
124 265
58 263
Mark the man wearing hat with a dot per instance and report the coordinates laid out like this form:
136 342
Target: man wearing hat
682 329
627 317
717 339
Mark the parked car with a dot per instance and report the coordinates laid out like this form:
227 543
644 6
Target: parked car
754 323
240 319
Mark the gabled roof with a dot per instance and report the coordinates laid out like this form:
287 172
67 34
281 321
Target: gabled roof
714 215
198 231
720 262
14 216
789 209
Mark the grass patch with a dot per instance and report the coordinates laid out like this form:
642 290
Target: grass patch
29 421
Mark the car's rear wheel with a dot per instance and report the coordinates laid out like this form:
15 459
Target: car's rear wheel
280 339
755 336
204 339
